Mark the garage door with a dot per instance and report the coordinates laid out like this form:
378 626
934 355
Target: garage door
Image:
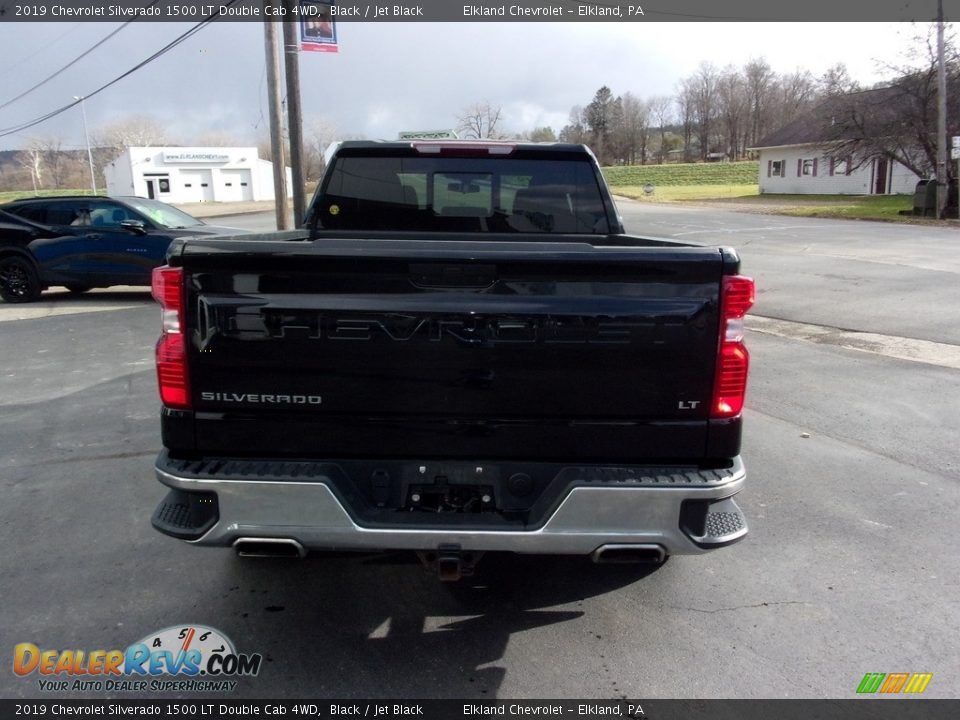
197 185
234 186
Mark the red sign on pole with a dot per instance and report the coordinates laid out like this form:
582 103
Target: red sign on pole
318 29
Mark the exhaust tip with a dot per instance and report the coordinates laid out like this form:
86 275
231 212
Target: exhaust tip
623 554
269 547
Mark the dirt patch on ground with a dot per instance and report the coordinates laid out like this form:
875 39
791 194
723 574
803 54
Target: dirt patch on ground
762 204
222 209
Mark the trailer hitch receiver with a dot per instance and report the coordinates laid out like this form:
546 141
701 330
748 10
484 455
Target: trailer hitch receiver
449 562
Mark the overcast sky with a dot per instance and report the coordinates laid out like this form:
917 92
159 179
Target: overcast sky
402 76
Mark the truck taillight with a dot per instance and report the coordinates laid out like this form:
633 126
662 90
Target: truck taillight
171 348
733 360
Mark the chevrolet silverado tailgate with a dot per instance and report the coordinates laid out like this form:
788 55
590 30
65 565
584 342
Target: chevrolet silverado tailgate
459 349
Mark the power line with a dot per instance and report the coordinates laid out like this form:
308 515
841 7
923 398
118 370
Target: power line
53 113
167 48
263 75
67 66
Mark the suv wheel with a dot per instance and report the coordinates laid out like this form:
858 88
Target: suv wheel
19 282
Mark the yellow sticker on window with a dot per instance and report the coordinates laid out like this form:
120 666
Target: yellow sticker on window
334 209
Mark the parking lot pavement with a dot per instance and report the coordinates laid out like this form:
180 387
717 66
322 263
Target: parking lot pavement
65 345
59 301
849 567
886 278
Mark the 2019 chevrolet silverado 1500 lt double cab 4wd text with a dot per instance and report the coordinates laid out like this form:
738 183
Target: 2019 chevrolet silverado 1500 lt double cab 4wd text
461 352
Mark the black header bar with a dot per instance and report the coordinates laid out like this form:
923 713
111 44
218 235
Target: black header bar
485 11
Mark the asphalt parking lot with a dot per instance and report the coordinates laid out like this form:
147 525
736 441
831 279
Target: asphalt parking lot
851 565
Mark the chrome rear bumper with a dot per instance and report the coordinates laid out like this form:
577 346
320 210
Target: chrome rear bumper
656 513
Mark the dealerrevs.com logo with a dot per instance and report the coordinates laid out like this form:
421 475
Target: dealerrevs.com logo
181 658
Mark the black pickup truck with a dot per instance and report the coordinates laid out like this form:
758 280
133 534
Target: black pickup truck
461 352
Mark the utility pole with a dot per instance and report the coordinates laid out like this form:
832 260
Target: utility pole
941 117
86 137
291 58
271 39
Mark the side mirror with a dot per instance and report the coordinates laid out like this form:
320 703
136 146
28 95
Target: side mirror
137 227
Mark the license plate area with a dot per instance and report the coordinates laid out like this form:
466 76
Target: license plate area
451 488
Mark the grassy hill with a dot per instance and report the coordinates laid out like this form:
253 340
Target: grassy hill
732 173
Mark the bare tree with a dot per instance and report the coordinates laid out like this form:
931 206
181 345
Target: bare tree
55 159
264 145
898 121
705 104
111 140
480 121
661 109
31 158
686 101
634 128
837 81
759 77
318 134
732 108
797 94
131 131
576 130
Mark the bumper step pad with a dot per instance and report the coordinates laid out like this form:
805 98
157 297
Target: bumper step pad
713 524
186 515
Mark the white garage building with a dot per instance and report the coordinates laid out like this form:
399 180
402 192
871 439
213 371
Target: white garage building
192 174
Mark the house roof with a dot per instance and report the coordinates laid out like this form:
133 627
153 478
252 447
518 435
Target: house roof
812 127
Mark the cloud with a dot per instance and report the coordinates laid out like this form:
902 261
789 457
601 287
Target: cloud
522 116
389 77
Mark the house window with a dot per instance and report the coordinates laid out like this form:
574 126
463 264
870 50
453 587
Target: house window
775 168
840 166
164 185
807 166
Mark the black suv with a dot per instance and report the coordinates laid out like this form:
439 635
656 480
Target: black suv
87 242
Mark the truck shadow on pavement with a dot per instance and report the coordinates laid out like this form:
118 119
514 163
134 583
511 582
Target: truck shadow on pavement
381 626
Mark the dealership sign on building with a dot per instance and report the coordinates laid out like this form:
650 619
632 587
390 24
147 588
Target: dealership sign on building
195 157
192 174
